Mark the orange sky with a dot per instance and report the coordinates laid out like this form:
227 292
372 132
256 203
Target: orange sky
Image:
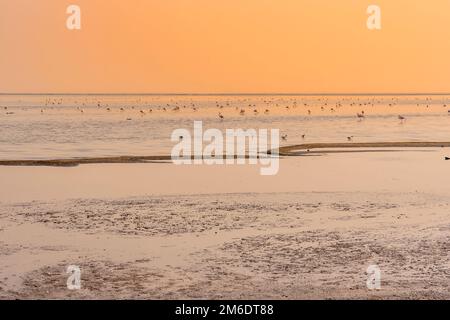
223 46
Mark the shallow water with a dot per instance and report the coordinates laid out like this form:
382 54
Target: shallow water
412 170
48 127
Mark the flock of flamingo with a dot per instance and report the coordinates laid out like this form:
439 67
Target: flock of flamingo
145 108
243 106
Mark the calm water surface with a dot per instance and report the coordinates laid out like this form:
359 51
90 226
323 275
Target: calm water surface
48 127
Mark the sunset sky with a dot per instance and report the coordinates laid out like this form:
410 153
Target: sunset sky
224 46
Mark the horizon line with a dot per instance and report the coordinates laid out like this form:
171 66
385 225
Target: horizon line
228 94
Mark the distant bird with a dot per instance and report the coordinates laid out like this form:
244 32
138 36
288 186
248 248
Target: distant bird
221 116
350 138
447 158
401 118
284 137
360 115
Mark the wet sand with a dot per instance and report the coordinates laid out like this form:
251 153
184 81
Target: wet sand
231 246
291 150
309 232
